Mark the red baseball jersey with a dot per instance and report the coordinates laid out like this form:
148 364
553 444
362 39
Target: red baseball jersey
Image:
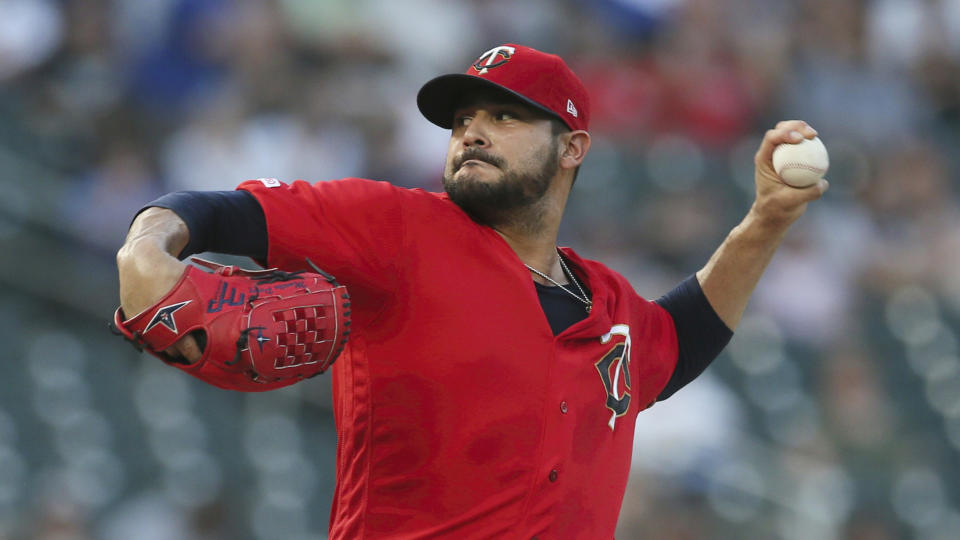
459 413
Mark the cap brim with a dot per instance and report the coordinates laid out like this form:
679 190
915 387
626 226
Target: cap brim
439 98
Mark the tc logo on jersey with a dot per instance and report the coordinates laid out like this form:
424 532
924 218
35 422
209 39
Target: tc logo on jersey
495 57
614 370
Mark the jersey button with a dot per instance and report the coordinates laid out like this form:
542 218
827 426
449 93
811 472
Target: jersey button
563 407
553 475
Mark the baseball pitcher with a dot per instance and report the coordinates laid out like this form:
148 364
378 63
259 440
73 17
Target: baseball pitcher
486 380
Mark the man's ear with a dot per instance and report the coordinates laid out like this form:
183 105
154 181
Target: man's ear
575 145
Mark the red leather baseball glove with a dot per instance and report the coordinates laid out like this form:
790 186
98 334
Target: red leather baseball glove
258 330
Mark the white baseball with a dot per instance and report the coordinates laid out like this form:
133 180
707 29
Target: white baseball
802 164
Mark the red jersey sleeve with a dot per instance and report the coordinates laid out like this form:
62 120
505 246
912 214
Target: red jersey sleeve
655 353
350 228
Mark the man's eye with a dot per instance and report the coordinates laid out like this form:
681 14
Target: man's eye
461 120
504 115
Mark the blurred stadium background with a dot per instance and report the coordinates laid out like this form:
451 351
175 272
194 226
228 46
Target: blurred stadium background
834 414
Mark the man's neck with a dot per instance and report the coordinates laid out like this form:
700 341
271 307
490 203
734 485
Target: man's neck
538 251
533 234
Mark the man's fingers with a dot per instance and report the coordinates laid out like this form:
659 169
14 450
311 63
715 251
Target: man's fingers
187 348
822 186
786 131
805 195
796 125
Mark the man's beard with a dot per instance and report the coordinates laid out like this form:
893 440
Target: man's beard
508 201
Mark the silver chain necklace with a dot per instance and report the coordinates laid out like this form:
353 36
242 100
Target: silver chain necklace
588 303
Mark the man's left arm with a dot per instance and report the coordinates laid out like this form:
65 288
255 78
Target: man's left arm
731 274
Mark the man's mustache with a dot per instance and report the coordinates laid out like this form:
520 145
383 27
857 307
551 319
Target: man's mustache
479 155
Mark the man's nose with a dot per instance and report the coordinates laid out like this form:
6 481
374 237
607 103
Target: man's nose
476 133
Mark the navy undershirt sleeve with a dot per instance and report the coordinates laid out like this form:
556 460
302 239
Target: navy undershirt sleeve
701 333
230 222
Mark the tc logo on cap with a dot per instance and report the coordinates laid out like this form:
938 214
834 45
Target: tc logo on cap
491 56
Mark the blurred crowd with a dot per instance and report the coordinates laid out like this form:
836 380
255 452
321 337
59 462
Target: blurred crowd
834 413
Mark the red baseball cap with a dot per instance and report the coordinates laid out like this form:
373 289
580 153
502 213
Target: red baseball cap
534 77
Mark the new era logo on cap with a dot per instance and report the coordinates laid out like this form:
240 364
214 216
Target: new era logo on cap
540 79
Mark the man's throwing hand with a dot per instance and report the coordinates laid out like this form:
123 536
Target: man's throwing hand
777 202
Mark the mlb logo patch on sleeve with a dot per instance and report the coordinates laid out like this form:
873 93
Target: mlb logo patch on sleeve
269 182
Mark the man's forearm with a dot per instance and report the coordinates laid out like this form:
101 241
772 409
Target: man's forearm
731 274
